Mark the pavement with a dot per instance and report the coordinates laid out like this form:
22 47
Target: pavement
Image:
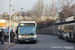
5 45
45 42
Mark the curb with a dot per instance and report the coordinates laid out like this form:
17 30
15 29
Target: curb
8 46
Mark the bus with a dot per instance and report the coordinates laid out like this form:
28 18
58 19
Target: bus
27 31
66 30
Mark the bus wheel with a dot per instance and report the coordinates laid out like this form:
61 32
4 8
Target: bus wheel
59 37
62 38
19 42
34 42
67 39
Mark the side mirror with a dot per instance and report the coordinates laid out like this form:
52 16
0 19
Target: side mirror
36 25
17 30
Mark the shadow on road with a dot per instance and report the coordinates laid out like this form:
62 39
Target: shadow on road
26 43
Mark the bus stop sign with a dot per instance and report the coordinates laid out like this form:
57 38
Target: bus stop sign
12 26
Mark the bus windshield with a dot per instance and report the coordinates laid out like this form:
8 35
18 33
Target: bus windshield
27 30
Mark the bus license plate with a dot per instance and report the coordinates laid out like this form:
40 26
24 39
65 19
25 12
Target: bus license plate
27 40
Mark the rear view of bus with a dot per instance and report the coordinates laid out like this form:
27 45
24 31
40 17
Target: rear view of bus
27 31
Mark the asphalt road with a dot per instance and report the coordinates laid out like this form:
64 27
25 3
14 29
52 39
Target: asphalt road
2 46
45 42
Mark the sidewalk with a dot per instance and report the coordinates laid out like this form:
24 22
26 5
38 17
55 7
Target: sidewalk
2 46
6 44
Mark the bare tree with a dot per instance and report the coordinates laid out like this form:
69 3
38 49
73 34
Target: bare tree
38 9
73 9
52 9
64 8
46 13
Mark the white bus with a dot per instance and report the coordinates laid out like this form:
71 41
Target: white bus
27 31
66 30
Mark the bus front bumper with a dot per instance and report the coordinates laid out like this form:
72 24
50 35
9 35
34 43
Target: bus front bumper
27 39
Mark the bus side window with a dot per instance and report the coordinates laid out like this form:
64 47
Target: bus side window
64 32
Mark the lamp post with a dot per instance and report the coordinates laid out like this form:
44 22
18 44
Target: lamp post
23 14
9 17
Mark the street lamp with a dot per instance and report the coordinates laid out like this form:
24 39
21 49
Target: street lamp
21 8
9 17
23 13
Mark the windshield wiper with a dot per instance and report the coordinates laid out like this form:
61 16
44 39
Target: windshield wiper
31 34
28 34
24 34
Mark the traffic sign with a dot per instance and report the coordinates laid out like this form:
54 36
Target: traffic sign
12 26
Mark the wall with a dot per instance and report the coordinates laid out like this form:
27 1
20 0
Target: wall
48 30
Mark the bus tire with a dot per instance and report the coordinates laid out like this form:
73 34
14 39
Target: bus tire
34 42
19 42
62 38
59 37
67 39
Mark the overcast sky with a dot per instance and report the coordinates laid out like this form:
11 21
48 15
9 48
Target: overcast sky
18 4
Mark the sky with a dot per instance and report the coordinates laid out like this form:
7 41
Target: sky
18 4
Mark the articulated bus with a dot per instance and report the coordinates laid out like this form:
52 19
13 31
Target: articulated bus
27 31
66 30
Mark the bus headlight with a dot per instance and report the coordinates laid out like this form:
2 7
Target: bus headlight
20 36
35 36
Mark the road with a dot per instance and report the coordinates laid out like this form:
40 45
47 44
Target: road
2 46
45 42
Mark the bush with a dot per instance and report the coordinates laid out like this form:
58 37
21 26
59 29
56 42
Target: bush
46 23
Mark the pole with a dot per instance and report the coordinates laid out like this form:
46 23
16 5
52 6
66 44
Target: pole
9 18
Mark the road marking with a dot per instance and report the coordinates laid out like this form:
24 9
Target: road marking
8 46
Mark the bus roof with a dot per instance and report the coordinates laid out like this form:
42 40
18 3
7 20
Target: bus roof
27 22
65 23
